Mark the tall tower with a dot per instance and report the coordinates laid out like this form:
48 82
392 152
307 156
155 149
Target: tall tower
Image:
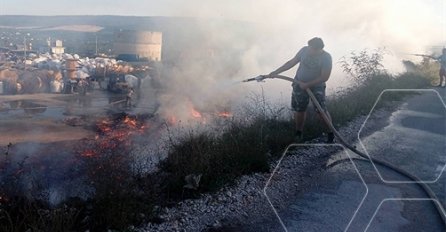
144 44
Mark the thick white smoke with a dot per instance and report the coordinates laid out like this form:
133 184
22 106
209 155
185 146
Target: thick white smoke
283 27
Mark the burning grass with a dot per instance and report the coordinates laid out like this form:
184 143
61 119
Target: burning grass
221 154
119 197
246 145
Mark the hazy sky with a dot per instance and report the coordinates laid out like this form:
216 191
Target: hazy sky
88 7
235 9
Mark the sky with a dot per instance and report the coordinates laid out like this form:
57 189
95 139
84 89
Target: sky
88 7
232 9
343 14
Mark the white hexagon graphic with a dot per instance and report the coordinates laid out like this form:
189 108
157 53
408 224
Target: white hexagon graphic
435 201
316 145
440 169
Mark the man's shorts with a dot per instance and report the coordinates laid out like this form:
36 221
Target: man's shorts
300 98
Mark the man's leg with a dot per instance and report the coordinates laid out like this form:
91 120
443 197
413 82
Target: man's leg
442 76
330 134
322 119
319 93
299 120
299 103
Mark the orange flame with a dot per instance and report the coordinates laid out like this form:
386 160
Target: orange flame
111 133
130 122
225 114
88 153
172 120
195 113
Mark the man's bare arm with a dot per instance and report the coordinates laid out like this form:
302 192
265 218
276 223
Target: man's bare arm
289 64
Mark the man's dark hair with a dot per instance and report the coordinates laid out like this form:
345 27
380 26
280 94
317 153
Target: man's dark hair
316 42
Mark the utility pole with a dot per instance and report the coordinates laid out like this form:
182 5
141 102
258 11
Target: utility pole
96 44
24 46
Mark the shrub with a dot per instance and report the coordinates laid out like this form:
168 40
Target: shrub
364 65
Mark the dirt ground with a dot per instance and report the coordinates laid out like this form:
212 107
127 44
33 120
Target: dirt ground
18 125
41 131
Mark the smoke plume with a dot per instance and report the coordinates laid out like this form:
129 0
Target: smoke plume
262 35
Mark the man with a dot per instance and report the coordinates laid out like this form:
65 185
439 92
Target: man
442 60
129 97
82 84
314 70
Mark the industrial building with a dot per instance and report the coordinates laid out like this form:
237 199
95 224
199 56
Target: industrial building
141 44
58 49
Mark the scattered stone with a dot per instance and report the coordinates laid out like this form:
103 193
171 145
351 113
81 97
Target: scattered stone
229 194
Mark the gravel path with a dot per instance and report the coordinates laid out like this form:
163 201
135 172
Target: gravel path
245 203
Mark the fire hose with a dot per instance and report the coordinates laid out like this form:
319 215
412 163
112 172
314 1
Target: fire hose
324 116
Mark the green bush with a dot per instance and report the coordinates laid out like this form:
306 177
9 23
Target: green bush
364 65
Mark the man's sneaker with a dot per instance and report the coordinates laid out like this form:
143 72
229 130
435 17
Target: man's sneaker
330 137
298 137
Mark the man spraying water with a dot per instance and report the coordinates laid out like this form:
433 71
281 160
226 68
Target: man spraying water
442 60
314 70
442 73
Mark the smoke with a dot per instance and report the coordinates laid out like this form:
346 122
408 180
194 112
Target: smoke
265 34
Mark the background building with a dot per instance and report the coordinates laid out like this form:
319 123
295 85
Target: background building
58 49
141 44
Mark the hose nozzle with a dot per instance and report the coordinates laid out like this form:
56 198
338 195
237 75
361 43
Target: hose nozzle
257 78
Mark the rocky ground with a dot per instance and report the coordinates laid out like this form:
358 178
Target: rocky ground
245 203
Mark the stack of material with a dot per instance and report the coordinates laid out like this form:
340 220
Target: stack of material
105 67
28 81
87 67
8 77
47 72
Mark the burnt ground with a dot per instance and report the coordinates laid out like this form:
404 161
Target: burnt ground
43 138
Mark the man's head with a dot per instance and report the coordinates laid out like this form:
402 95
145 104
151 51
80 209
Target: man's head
316 45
